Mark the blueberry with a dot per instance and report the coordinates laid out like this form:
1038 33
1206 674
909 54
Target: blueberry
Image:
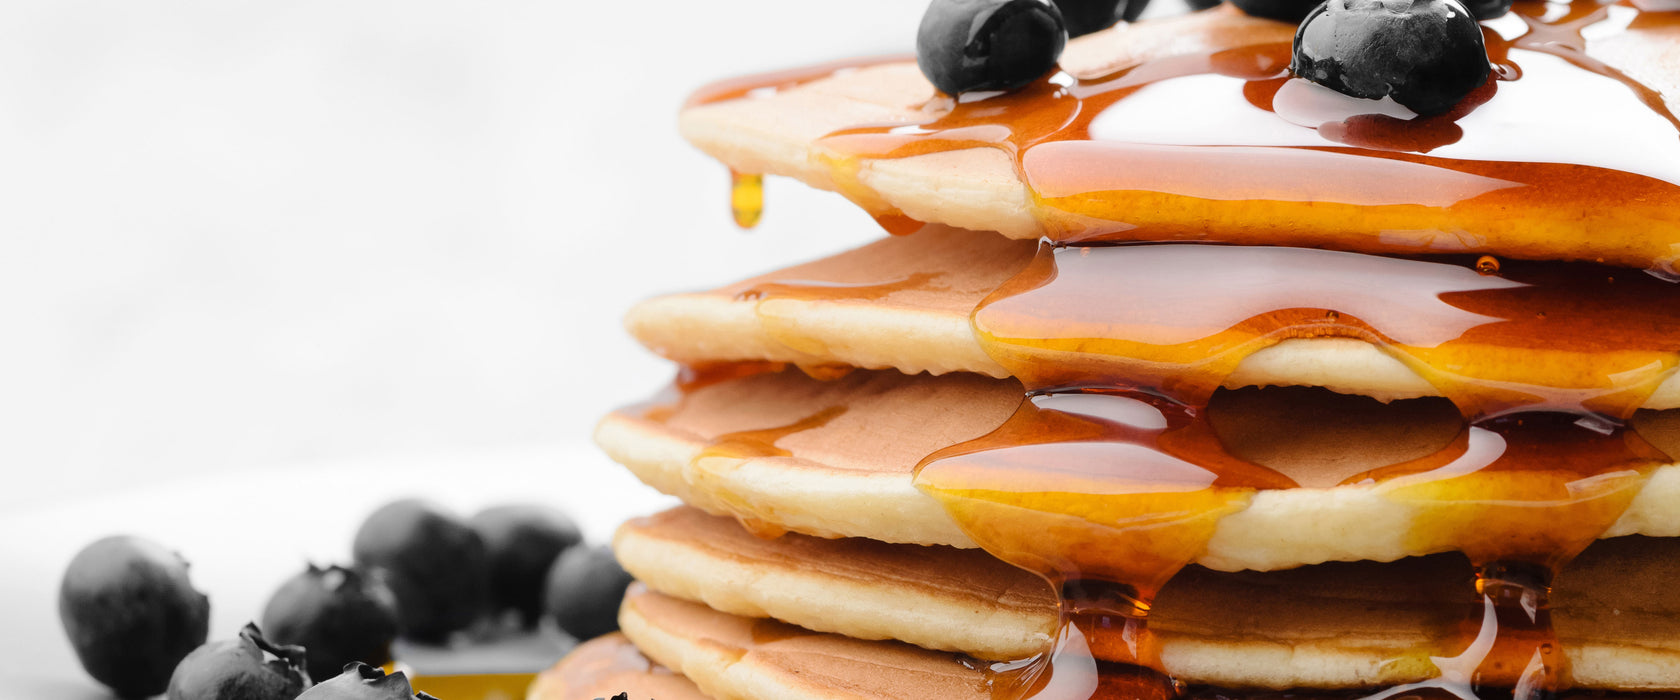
583 591
433 562
523 541
1086 16
1488 9
338 614
131 613
364 682
970 45
1426 54
1281 10
247 668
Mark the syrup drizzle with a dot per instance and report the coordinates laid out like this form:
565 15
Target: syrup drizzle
1544 360
1106 481
711 468
1191 147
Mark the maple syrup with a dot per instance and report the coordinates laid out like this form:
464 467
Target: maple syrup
1108 480
746 198
1225 146
500 686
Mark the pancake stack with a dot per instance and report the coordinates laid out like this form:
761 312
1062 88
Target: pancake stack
1169 384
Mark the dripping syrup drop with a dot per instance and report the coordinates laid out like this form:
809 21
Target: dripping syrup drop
746 198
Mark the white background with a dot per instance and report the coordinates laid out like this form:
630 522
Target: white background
264 265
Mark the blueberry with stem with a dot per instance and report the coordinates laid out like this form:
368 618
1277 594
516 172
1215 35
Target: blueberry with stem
339 615
364 682
246 668
131 613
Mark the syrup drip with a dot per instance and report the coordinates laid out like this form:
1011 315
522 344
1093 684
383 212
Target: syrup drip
1191 147
746 198
1107 482
1125 489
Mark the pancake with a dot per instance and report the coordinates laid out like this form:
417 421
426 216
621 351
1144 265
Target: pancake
605 667
1156 177
1329 626
905 303
736 656
850 473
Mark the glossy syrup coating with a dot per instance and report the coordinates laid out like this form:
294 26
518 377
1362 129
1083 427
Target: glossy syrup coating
432 560
1425 54
982 45
247 668
131 613
339 615
1112 157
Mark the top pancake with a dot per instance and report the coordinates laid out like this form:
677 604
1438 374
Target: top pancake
1561 198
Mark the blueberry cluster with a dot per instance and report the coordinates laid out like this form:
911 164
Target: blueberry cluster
1424 54
139 627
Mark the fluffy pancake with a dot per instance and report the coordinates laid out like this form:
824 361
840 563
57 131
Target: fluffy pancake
606 666
851 475
904 303
738 657
1339 626
983 188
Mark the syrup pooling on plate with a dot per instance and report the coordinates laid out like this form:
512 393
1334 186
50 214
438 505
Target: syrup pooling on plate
1198 146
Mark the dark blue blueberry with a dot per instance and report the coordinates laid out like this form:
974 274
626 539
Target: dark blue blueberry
973 45
1083 17
1292 11
583 591
338 614
364 682
247 668
433 562
1426 54
1488 9
131 613
523 541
